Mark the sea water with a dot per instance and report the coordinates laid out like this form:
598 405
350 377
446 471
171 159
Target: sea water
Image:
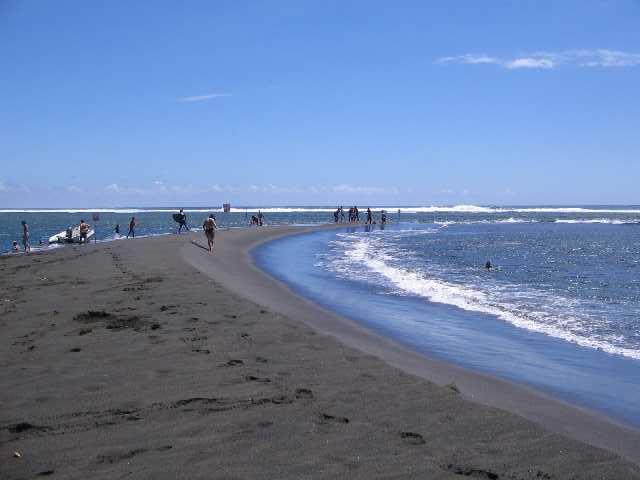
560 310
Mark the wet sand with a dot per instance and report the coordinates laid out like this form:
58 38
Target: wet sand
152 359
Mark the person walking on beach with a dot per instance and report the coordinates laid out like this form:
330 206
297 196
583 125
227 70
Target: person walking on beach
183 221
132 227
209 226
84 231
260 217
369 216
25 237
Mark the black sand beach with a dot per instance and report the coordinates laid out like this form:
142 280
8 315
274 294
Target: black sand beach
152 359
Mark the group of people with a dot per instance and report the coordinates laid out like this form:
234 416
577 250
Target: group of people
354 216
25 240
209 227
257 220
132 228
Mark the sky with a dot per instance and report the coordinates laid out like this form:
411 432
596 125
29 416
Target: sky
295 102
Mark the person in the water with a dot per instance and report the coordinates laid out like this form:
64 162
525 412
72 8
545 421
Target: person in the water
25 237
369 216
84 231
132 228
488 265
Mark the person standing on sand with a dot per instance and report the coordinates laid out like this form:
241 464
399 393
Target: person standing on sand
25 237
132 227
84 231
209 226
183 221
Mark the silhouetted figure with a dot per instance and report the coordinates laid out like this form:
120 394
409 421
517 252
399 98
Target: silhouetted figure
132 228
183 221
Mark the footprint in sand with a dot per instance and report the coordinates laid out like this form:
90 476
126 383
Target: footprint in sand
326 418
233 363
304 393
472 472
412 438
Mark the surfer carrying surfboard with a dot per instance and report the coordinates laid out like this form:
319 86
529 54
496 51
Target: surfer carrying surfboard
181 218
209 226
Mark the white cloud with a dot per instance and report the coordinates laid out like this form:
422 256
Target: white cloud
74 189
469 58
114 187
528 62
200 98
363 190
3 187
602 58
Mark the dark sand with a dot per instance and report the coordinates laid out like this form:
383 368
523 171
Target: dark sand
124 360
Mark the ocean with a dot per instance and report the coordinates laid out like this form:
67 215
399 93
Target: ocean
560 310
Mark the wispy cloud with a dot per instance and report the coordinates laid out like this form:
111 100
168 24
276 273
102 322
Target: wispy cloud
542 63
201 98
602 58
470 59
159 187
363 190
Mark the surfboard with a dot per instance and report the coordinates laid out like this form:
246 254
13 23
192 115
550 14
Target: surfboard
178 217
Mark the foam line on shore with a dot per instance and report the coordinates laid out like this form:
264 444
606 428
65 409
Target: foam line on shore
233 266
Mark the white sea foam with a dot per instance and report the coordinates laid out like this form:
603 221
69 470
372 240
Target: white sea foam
557 316
301 209
609 221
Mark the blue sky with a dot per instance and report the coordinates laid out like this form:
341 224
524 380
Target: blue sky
325 102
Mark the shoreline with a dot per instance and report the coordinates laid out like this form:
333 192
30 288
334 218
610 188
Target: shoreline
555 414
123 360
